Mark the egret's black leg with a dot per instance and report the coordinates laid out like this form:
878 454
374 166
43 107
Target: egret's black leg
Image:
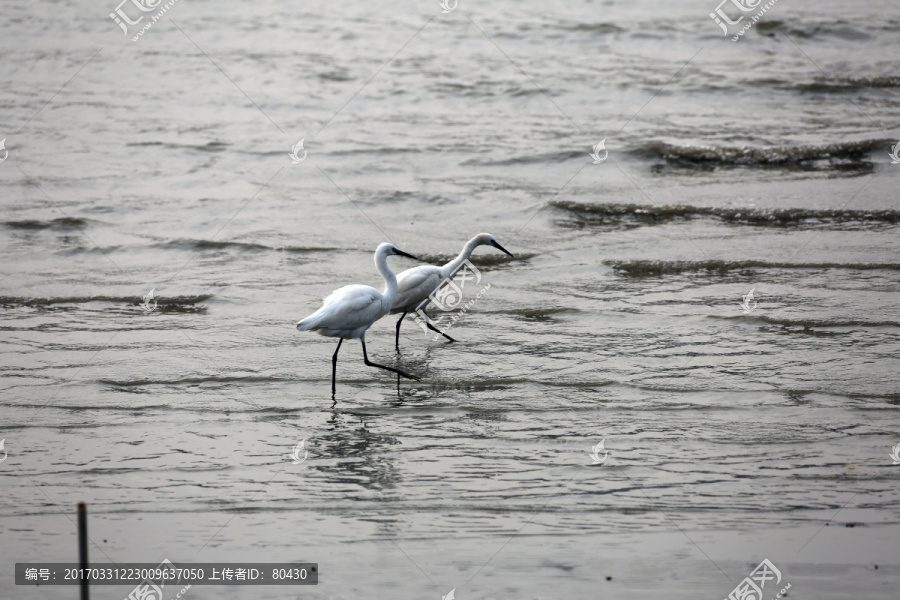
397 341
371 364
435 329
334 366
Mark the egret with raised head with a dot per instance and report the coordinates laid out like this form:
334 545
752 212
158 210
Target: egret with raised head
349 311
415 286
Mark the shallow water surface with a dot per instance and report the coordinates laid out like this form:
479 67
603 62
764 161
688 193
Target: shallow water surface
716 301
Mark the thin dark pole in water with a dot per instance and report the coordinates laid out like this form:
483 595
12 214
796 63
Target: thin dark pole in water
83 549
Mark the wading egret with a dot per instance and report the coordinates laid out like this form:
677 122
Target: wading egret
349 311
415 286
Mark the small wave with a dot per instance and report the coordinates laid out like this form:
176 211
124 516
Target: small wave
400 196
540 314
845 84
91 407
651 268
163 303
836 29
825 84
304 249
779 217
339 76
476 89
191 381
207 147
61 224
199 245
605 28
528 159
494 259
805 157
812 323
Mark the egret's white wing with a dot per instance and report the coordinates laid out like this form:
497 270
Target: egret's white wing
346 309
414 285
353 294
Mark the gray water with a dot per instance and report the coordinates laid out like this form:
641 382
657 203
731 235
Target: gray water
733 434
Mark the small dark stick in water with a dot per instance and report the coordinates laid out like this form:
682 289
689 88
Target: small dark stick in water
83 549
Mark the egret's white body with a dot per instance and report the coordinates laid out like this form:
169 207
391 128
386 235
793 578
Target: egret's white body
415 286
349 311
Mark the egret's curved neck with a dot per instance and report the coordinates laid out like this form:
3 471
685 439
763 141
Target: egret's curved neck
454 264
390 280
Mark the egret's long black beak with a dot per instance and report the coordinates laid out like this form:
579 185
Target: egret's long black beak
402 253
501 248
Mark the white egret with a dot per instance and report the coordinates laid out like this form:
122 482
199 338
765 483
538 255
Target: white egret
349 311
415 286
